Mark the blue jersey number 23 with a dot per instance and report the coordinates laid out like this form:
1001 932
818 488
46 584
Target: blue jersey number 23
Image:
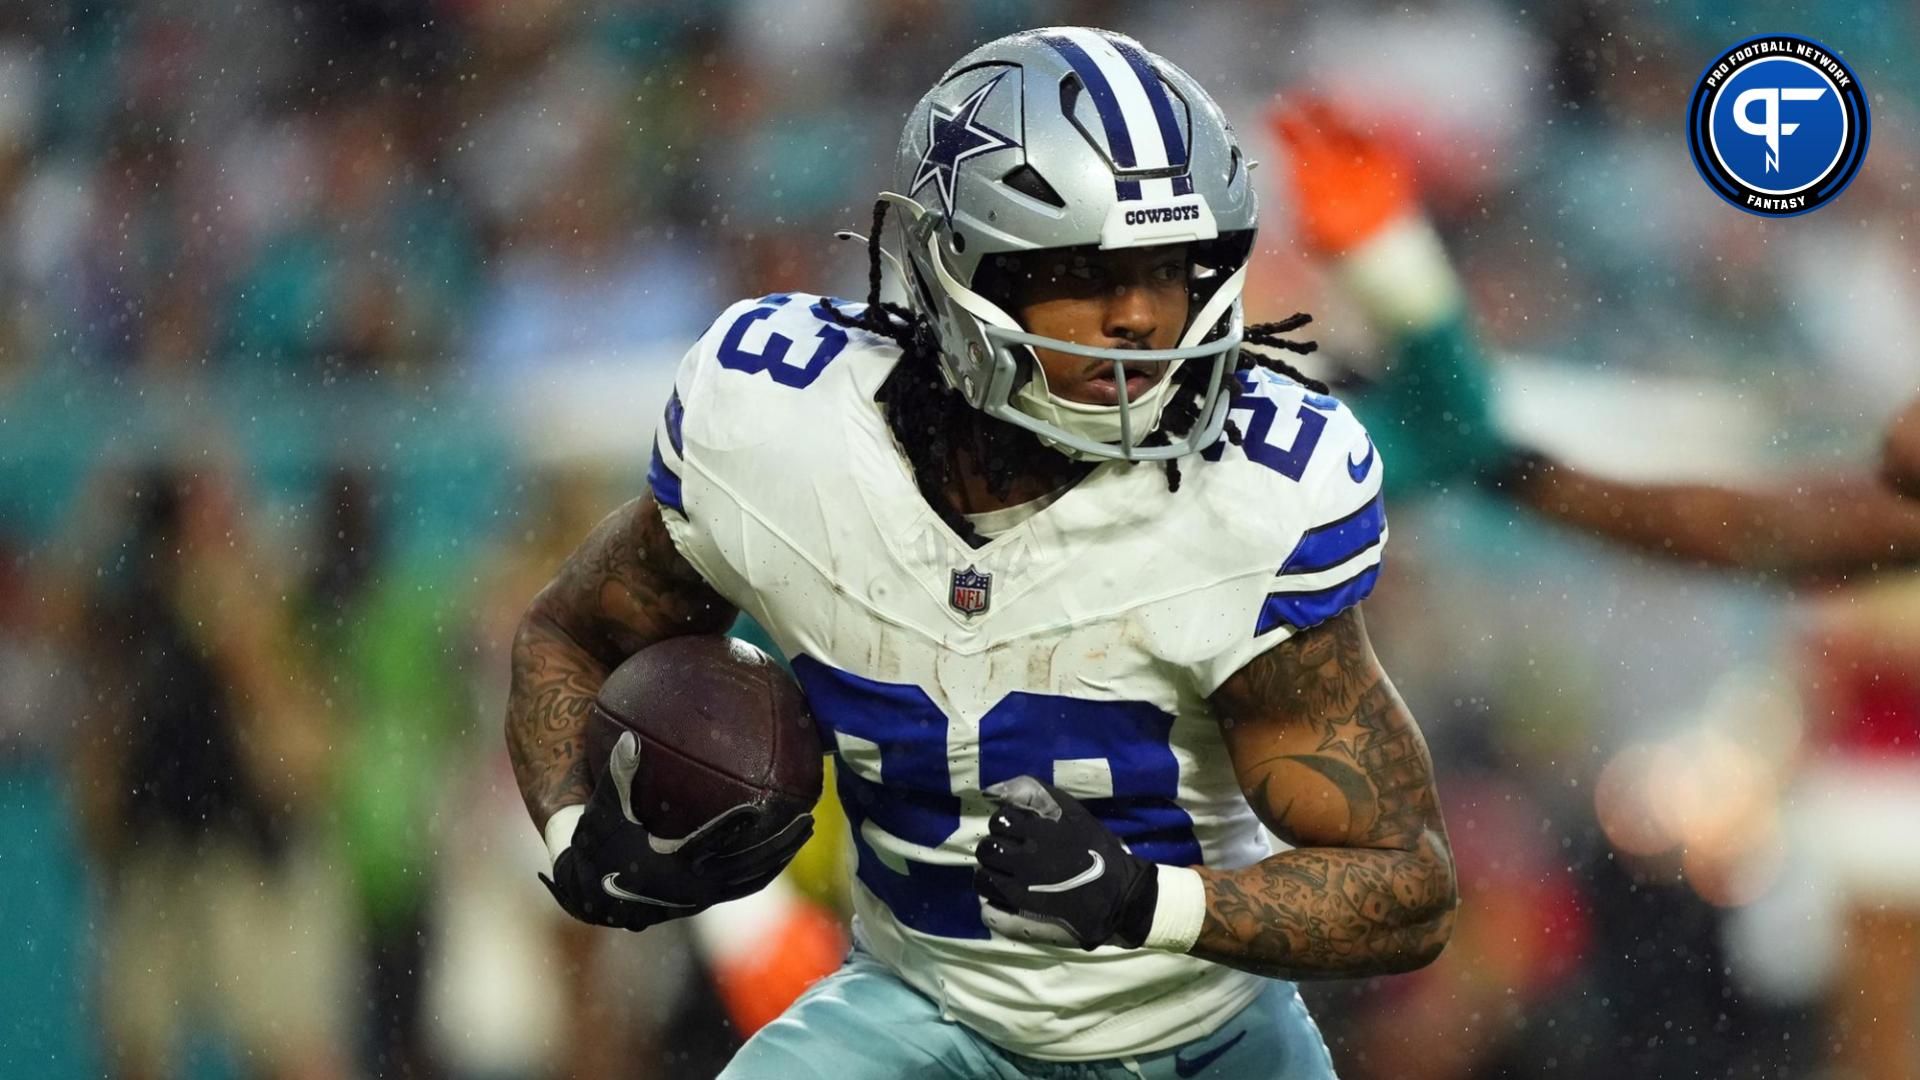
771 357
1263 413
1023 733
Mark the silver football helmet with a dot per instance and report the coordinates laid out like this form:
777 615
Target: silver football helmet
1072 138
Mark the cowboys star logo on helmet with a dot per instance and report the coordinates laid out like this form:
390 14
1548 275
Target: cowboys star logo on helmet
954 137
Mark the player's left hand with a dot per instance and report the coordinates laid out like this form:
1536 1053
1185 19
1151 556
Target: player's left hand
1050 872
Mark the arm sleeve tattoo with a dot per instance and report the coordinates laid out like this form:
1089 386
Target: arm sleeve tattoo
1331 760
624 588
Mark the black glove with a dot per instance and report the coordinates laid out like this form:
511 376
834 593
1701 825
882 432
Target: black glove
615 874
1050 872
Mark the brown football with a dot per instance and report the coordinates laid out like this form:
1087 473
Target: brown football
720 725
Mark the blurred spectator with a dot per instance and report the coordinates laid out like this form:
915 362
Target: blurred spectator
1853 811
375 273
201 768
586 267
44 1025
19 108
387 631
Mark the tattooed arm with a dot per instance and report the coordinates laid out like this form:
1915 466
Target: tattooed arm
1331 760
624 588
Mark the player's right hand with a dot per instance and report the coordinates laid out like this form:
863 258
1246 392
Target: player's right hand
614 873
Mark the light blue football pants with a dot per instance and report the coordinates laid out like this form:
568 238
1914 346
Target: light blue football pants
863 1023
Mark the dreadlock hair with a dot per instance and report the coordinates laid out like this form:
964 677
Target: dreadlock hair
929 419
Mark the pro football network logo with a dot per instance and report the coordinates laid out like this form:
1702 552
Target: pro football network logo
1778 125
972 591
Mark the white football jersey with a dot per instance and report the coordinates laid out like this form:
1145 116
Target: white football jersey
1079 646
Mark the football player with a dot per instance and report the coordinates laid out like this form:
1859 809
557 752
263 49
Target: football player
1358 213
1072 579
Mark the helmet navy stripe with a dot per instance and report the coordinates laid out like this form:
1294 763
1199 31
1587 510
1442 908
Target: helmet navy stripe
1156 91
1119 139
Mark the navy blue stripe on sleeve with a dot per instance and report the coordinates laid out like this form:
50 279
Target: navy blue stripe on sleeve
664 482
1304 609
1327 546
675 414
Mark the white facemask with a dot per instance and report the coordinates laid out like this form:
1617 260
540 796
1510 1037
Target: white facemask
1100 423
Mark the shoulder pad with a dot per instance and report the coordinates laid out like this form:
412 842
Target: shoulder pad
1301 494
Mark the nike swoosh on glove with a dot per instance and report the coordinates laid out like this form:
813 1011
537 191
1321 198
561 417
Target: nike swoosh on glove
1050 872
614 873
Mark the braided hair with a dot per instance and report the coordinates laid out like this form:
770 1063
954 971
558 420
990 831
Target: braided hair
929 419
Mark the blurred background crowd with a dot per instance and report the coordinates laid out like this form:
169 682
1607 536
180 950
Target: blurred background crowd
327 327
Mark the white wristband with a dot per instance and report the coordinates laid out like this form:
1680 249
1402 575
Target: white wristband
1402 277
1179 912
559 830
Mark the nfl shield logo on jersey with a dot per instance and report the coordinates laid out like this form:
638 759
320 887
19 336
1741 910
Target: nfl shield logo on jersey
972 591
